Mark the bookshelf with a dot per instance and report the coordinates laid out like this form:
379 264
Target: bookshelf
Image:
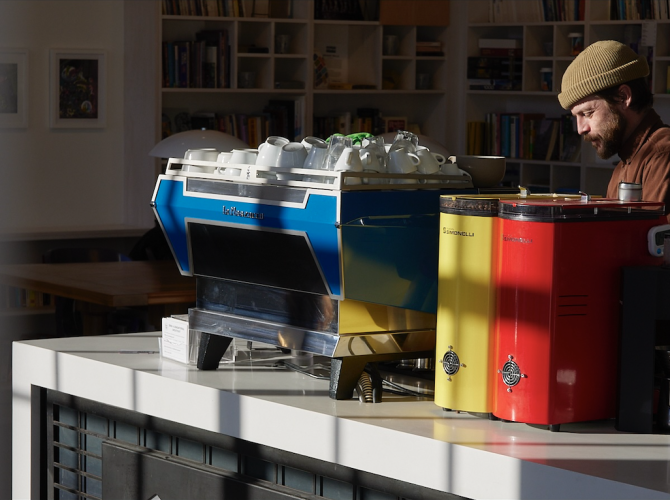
547 45
17 301
361 79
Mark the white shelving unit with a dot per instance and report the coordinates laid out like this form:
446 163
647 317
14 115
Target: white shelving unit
589 173
367 69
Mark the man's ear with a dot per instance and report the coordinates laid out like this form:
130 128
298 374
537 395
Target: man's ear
625 95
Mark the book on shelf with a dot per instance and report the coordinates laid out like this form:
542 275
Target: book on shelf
534 11
429 48
551 150
283 118
210 67
375 123
494 84
299 117
228 8
628 10
261 8
508 68
13 298
242 126
255 131
207 8
282 115
217 46
200 63
498 52
343 10
325 126
500 43
182 56
546 137
475 138
429 52
344 122
510 134
570 142
529 125
504 135
203 121
231 8
281 9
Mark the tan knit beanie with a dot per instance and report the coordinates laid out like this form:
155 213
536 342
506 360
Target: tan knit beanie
600 66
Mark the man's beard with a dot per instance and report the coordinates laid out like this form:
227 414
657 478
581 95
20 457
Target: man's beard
611 137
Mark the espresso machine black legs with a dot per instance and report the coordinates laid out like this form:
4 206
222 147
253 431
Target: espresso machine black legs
211 350
344 374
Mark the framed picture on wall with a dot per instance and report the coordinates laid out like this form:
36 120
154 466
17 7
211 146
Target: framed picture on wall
77 88
13 88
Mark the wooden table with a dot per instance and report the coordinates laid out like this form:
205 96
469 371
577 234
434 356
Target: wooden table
99 287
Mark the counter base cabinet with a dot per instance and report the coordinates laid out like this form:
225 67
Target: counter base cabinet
275 427
517 53
106 452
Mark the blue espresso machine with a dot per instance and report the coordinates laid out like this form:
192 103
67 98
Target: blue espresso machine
345 271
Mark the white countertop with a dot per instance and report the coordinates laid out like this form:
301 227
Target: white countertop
405 438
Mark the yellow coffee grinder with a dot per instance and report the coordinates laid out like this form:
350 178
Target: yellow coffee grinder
466 303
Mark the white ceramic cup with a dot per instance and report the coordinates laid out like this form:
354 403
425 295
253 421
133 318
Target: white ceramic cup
292 155
440 158
450 169
403 162
309 141
204 154
224 157
243 156
316 156
371 163
268 152
429 164
350 161
198 168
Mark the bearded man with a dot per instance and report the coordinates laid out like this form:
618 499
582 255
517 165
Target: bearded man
606 90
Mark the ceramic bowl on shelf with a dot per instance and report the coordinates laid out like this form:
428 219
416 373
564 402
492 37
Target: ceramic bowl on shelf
486 171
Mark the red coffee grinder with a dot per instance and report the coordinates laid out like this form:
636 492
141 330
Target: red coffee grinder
557 320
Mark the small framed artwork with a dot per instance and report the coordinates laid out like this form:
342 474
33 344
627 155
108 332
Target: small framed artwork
77 88
13 88
395 123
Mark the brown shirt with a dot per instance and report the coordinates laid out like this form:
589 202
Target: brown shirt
645 158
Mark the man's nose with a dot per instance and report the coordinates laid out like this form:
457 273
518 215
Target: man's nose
582 126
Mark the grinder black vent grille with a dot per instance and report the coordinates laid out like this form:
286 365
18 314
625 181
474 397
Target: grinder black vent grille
451 363
511 374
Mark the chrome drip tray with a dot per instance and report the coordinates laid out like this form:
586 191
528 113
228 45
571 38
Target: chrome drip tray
404 344
349 353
